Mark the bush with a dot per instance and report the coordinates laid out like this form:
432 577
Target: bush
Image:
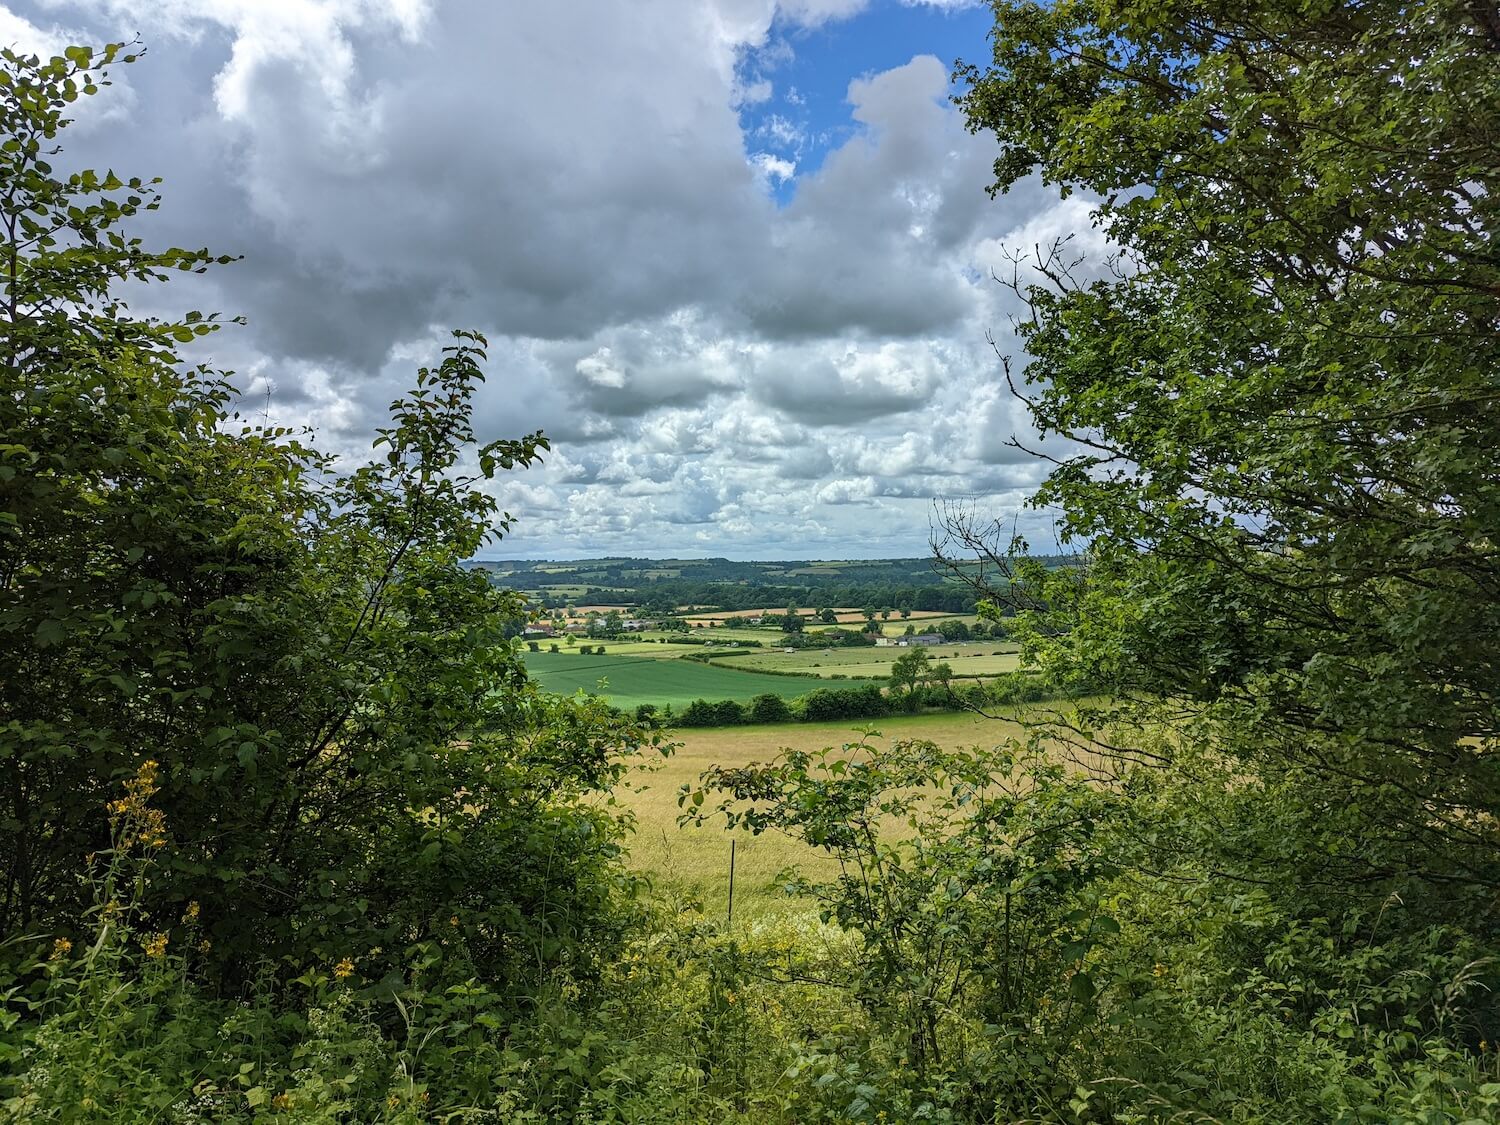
769 708
827 704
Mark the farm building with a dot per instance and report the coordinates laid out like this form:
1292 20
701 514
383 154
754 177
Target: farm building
921 639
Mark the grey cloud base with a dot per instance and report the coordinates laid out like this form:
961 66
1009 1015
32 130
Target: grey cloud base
719 374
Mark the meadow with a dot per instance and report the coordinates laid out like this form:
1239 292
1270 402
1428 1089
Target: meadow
633 680
687 865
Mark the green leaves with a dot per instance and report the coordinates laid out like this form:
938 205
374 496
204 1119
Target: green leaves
1282 401
350 754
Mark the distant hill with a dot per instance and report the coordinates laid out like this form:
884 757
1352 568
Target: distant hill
912 583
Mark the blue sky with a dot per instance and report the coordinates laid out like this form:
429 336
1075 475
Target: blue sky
733 256
805 73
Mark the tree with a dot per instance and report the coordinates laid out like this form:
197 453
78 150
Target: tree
909 670
828 617
769 708
953 630
348 751
940 673
1282 402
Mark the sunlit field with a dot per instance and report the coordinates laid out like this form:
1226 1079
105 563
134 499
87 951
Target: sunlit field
687 864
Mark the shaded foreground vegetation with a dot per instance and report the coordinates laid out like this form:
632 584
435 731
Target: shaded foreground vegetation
289 834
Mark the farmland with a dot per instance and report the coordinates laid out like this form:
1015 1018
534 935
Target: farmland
968 660
693 863
633 680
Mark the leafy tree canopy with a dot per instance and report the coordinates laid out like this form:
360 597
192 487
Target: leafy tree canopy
1283 394
351 758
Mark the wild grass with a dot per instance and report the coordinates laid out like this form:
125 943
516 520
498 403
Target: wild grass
692 864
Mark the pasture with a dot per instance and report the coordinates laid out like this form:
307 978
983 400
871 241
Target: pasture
633 680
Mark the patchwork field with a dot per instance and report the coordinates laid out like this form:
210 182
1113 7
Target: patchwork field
845 616
972 660
633 680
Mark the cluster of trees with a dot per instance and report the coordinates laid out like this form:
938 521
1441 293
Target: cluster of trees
819 705
665 595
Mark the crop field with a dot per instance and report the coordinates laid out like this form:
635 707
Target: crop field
968 661
636 646
693 863
633 680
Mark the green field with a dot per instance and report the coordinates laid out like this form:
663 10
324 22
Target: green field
971 660
633 680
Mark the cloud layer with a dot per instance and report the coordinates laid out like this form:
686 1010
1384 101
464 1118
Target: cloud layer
733 356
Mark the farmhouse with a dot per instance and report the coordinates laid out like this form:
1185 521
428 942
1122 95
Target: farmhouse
634 626
540 629
920 639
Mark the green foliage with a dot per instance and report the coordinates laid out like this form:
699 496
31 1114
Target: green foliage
1275 407
827 704
769 709
984 892
910 669
1284 398
702 713
352 761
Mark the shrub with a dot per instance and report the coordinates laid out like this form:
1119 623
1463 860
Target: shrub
769 708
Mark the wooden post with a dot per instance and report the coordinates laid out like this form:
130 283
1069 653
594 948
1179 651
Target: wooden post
730 920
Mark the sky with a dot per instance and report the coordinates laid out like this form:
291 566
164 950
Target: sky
734 257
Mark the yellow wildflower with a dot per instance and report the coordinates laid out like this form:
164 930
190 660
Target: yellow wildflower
205 945
344 969
156 945
730 998
281 1102
453 921
1158 970
191 913
61 948
135 821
